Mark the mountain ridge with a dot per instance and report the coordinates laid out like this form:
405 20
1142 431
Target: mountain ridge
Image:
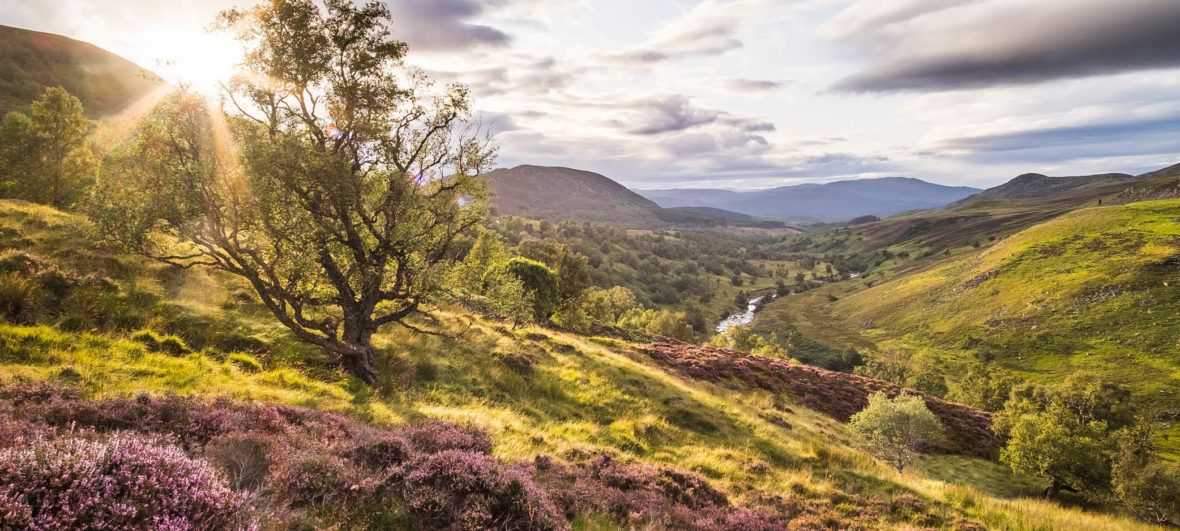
826 202
31 61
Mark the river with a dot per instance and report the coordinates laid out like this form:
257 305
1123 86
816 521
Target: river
744 318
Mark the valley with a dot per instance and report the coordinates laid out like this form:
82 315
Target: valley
331 291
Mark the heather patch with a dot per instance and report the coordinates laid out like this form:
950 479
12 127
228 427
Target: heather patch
297 466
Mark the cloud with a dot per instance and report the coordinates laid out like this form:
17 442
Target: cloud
1139 136
996 42
444 25
754 85
710 29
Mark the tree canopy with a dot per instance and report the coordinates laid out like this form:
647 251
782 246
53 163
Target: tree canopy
895 429
46 155
335 180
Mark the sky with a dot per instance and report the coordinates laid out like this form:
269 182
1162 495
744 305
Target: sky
746 94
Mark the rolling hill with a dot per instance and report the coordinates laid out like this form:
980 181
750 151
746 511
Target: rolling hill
1161 184
1044 190
646 436
31 61
831 202
559 194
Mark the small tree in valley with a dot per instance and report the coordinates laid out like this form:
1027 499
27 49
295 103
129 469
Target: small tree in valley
896 429
351 187
46 155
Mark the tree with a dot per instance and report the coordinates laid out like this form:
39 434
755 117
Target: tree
573 275
895 429
354 179
539 281
1149 487
46 155
984 387
1064 435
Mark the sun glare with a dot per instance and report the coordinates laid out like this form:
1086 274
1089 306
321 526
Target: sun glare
201 60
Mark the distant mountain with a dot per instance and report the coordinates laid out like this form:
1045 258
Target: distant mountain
31 61
565 193
1039 188
838 201
560 194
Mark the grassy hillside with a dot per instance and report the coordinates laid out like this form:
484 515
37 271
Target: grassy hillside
1096 291
31 61
535 392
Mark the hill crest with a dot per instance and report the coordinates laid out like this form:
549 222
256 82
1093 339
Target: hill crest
31 60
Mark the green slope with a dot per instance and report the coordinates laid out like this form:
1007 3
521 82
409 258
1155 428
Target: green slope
535 391
1095 291
31 61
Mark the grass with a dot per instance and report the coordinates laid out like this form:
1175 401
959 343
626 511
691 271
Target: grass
535 391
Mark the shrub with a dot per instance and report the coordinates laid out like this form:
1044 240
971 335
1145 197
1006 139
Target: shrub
895 429
125 482
435 437
315 481
245 362
539 281
463 490
1144 483
245 458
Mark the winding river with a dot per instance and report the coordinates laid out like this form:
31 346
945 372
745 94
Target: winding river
744 318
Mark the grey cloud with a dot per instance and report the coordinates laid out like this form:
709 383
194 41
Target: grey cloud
754 85
670 114
676 113
1050 40
444 25
1107 139
711 39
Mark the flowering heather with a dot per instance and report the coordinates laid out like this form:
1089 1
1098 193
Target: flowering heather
306 468
124 482
465 490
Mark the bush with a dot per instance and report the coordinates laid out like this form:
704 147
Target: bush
540 282
245 458
315 481
463 490
895 429
1144 483
125 482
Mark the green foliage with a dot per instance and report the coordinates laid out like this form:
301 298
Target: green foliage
984 386
351 186
46 155
597 309
1148 486
744 339
539 282
1064 435
896 429
659 323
